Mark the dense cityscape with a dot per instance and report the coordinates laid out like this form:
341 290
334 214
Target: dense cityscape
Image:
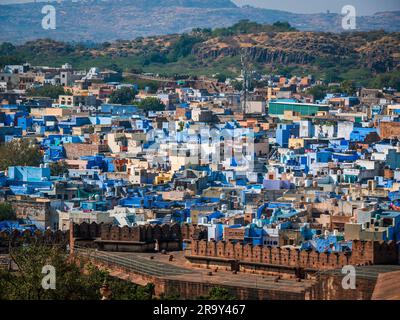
249 183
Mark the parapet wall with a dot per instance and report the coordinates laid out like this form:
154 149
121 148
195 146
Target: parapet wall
364 253
146 233
193 232
19 238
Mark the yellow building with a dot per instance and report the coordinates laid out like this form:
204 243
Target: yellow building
163 177
296 143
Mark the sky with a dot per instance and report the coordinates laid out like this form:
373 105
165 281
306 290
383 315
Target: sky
363 7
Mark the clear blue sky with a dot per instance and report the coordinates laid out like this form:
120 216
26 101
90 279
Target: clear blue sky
363 7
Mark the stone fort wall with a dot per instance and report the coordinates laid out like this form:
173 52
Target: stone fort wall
145 233
363 253
18 238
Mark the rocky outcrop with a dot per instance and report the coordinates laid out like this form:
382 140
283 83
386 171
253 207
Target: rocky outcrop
304 48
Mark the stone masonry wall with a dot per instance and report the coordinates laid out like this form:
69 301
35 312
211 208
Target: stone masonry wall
364 253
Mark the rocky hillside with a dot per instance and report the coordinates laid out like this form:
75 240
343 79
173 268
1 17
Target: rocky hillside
302 48
360 56
377 51
101 20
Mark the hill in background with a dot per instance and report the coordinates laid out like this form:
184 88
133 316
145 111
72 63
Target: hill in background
100 20
371 58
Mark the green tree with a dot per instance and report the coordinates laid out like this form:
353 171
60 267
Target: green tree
217 293
151 104
283 26
8 54
19 153
7 212
237 85
389 79
183 47
155 57
318 92
124 95
348 87
221 77
74 280
58 168
52 92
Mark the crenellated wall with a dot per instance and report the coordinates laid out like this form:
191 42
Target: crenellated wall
18 238
193 232
138 238
145 233
364 253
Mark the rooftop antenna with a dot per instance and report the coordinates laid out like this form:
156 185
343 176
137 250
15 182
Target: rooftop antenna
244 59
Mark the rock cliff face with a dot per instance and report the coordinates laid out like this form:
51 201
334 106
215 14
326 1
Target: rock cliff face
382 54
377 51
303 48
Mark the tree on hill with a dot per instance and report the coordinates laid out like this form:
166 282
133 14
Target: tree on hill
348 87
318 92
58 168
124 95
7 212
283 26
246 27
19 153
151 104
183 47
47 91
389 79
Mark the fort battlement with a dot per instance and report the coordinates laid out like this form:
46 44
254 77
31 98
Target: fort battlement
137 238
18 238
145 233
258 258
